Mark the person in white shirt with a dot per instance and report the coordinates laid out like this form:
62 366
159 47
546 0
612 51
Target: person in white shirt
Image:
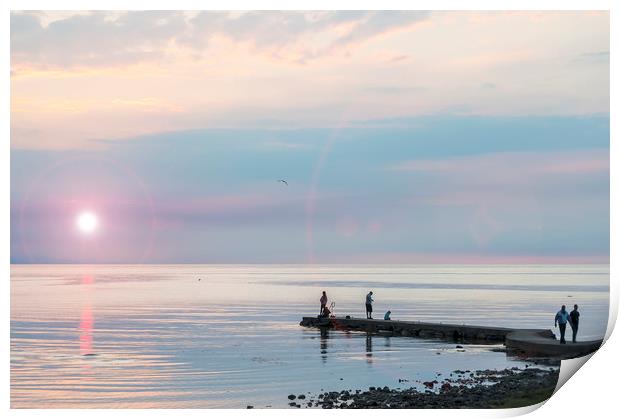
562 318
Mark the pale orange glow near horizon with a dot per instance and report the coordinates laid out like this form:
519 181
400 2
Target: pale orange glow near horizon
201 75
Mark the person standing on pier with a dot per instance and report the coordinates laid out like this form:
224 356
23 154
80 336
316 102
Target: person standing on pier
323 303
562 318
369 302
574 322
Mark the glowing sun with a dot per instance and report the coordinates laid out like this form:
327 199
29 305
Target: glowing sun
87 222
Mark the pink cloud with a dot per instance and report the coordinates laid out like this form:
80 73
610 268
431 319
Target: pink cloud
505 166
227 203
592 165
469 258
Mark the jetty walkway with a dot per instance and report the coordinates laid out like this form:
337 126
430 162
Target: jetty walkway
529 342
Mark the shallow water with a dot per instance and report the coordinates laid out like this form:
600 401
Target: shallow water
158 337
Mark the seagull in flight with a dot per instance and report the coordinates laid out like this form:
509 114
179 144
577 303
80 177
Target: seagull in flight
283 181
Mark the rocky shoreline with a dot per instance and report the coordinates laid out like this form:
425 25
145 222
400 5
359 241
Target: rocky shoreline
480 389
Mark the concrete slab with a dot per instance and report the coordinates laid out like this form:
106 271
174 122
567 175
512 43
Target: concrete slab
530 342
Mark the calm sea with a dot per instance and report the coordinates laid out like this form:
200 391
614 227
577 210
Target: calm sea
200 336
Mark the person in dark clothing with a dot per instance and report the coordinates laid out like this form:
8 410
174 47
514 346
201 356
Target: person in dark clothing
562 318
369 302
574 322
323 303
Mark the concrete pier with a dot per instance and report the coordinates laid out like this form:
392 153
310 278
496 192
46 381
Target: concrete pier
530 342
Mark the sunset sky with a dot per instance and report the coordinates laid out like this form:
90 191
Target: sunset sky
405 137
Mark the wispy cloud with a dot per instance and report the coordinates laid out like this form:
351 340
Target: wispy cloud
597 57
488 86
97 75
398 58
469 258
94 39
286 145
121 38
510 179
394 90
509 165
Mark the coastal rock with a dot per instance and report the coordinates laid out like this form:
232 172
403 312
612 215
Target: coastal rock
471 391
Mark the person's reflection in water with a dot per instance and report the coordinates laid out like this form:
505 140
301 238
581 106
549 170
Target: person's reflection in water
388 341
369 348
324 337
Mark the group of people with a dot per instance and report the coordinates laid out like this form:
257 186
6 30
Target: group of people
563 317
325 312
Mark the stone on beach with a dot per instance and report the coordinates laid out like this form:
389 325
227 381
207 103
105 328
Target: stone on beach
526 387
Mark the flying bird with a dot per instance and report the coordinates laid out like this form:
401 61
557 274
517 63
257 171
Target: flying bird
283 181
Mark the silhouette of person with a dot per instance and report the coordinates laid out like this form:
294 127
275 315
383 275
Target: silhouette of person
326 312
574 321
369 302
323 344
562 318
387 315
369 348
323 303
